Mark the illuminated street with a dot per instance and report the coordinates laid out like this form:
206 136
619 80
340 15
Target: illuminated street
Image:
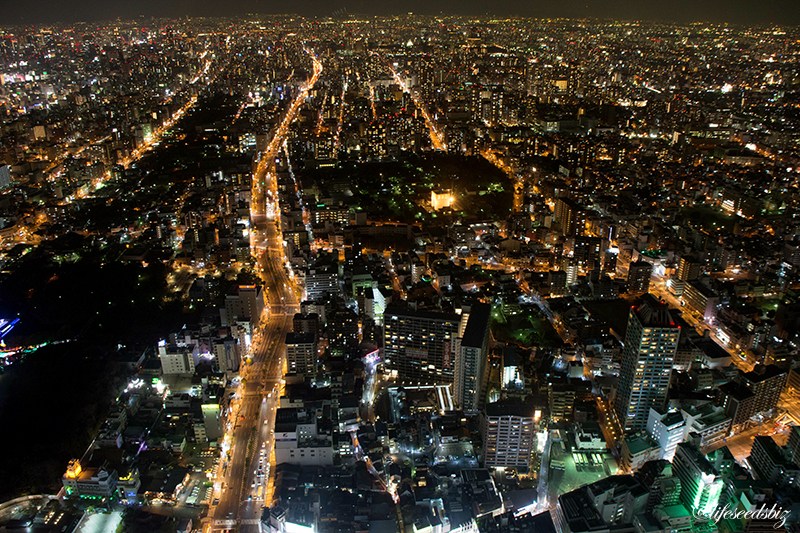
399 269
239 502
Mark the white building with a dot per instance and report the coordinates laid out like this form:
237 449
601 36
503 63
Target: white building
297 440
176 359
667 429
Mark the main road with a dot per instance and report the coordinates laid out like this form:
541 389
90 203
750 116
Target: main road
245 481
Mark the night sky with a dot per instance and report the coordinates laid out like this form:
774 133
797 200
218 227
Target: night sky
734 11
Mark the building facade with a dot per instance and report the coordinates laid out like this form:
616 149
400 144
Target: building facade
651 341
508 435
418 345
471 358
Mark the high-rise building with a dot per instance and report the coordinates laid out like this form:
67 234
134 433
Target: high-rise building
650 344
508 434
701 483
688 268
571 215
587 252
417 345
639 276
572 272
301 353
471 355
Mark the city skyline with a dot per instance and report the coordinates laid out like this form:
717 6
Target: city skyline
286 274
742 12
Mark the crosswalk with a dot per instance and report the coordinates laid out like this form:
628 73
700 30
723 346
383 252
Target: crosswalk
232 523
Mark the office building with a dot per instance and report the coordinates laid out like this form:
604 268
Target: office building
738 404
766 382
301 353
650 344
793 446
471 357
754 393
771 463
563 393
417 345
226 354
322 281
5 177
708 421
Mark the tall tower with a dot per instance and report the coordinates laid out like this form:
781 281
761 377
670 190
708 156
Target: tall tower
650 345
471 356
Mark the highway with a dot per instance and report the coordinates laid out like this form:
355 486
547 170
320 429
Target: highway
239 502
245 482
